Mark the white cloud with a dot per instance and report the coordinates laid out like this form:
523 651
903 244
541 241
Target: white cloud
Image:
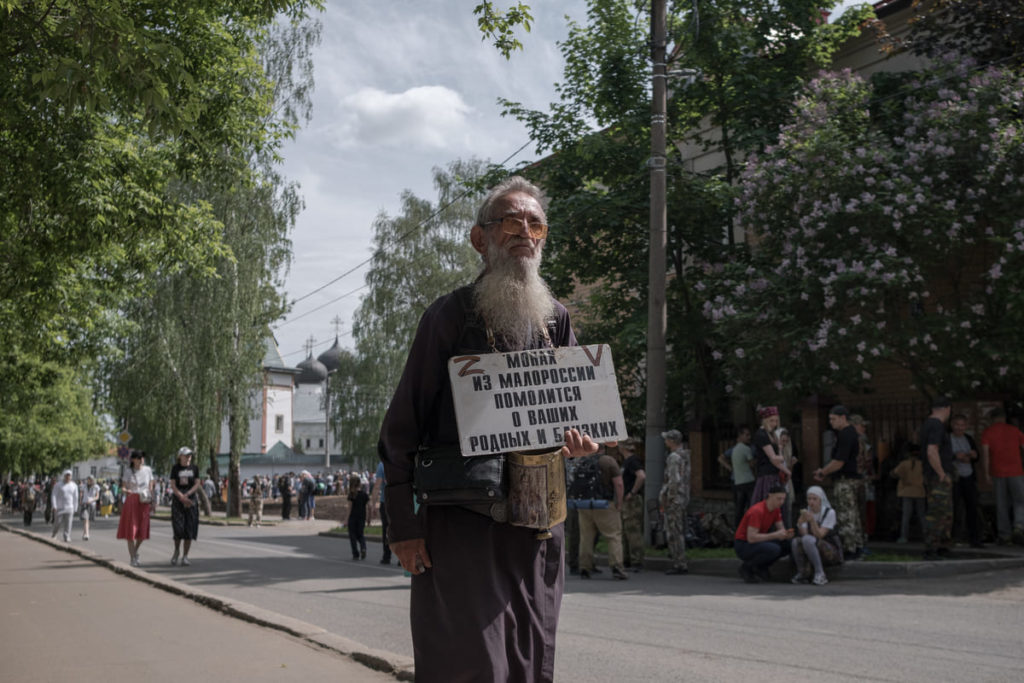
401 87
431 117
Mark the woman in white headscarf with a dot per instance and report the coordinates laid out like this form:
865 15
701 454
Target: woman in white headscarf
816 540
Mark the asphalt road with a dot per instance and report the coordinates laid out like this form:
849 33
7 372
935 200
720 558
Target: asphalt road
650 628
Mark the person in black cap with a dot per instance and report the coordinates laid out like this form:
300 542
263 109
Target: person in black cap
937 449
184 505
843 469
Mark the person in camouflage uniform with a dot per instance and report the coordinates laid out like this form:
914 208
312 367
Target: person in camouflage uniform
674 497
256 501
937 449
633 478
846 481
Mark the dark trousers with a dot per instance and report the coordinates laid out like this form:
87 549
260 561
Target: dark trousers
741 494
28 516
965 506
760 555
286 506
572 538
386 556
357 537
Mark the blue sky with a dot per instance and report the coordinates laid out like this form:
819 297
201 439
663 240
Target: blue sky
402 87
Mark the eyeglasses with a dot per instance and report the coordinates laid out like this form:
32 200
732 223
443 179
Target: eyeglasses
512 225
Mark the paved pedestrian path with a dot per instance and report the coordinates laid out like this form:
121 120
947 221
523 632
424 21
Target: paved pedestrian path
67 618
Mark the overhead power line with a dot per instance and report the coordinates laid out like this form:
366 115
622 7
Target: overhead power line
406 235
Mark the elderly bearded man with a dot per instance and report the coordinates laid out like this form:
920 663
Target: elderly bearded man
485 594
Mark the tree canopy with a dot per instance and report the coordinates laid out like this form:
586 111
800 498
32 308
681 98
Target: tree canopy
886 226
734 66
111 116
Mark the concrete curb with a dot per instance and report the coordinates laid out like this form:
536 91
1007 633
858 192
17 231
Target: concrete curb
166 517
853 570
379 660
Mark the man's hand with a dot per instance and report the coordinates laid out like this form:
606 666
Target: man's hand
412 555
819 474
786 534
577 445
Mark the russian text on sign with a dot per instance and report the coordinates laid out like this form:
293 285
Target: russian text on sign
527 399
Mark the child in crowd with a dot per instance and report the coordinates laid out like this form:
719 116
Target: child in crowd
910 490
358 498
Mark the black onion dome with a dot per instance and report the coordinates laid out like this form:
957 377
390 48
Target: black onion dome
313 371
331 358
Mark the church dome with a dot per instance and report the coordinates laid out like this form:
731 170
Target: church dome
331 358
313 371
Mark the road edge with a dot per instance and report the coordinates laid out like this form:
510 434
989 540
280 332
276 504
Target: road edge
379 660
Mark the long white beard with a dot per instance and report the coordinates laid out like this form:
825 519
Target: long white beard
513 299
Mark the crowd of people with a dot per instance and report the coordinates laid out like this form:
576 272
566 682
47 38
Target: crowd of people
937 480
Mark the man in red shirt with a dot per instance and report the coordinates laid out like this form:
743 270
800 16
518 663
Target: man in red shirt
1000 457
761 538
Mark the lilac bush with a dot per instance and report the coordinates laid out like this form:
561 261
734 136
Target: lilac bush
885 226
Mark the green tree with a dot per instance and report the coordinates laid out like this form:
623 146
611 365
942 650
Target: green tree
500 26
888 230
194 357
418 256
736 73
49 422
991 32
103 108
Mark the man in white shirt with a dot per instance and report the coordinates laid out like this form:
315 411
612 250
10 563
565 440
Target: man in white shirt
64 499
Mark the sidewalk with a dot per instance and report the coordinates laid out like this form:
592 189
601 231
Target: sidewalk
68 618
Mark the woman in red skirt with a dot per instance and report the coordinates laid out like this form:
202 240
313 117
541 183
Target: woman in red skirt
138 487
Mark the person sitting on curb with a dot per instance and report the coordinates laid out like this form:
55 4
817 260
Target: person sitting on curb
817 541
755 542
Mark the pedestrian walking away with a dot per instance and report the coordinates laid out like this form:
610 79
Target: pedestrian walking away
600 511
64 502
138 486
90 497
356 523
486 594
184 505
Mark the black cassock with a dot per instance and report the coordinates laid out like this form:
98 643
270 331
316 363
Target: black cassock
488 609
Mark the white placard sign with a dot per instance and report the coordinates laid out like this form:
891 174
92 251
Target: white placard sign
527 399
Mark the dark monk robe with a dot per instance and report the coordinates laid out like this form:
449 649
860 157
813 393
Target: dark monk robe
488 608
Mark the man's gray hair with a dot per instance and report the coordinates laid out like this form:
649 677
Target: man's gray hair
515 183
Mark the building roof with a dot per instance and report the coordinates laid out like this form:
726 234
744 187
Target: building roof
331 358
272 355
312 371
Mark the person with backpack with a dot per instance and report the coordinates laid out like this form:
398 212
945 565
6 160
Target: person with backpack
817 540
597 491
